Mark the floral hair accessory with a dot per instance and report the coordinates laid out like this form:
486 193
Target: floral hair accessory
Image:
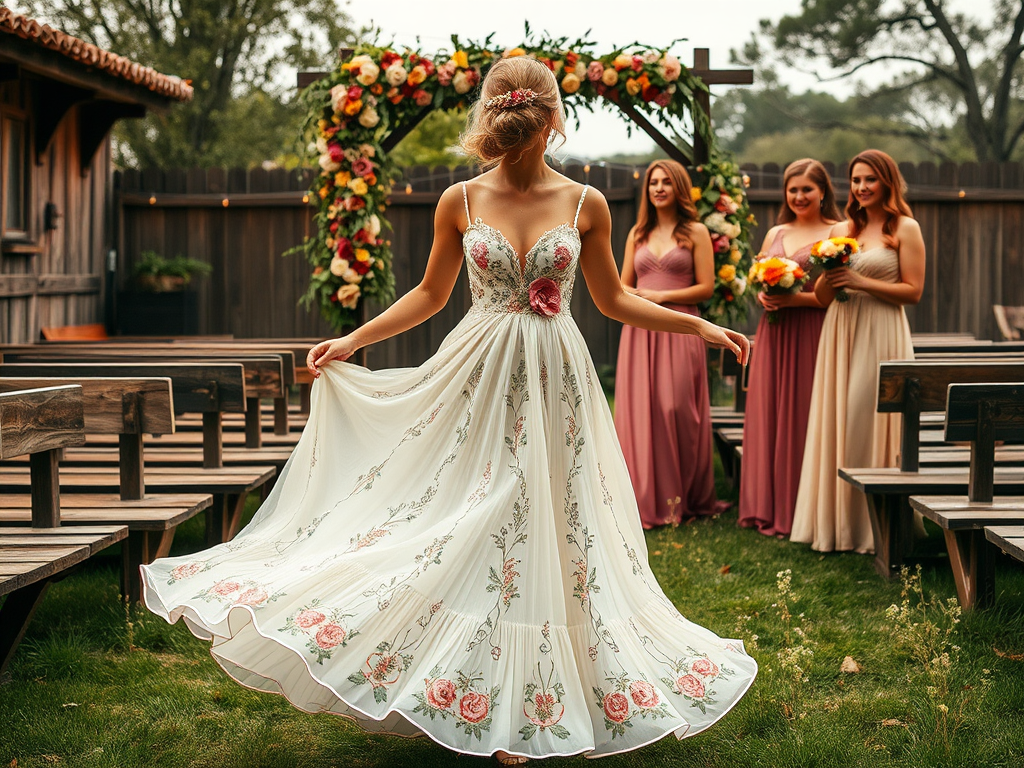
511 99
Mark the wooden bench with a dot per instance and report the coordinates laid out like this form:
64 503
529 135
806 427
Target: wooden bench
264 374
124 407
912 388
1009 538
205 387
41 423
981 414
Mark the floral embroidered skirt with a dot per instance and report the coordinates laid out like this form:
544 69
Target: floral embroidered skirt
455 550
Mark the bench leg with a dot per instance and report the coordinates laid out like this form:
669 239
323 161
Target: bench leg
16 613
163 545
305 390
281 415
973 562
135 552
215 515
725 453
890 528
253 427
236 506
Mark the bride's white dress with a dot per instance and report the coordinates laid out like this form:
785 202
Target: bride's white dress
455 549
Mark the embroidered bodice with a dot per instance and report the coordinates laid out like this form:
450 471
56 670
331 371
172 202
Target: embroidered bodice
499 281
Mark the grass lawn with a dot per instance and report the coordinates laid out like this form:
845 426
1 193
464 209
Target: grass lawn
96 685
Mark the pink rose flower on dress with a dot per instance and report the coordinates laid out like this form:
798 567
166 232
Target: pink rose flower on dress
309 618
252 596
704 667
474 707
616 707
643 694
225 587
186 570
562 256
688 685
330 635
479 254
441 693
545 298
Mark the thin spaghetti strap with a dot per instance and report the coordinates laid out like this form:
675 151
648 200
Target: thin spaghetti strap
465 199
580 204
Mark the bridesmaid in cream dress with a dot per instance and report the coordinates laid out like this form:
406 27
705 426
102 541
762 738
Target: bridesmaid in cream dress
844 429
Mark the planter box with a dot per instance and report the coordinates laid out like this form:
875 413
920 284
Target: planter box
158 314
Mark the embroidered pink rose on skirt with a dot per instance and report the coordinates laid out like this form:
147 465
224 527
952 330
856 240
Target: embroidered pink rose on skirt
474 706
616 707
545 297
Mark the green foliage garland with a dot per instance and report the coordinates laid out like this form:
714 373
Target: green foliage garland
378 90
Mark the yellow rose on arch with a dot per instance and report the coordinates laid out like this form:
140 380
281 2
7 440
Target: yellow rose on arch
374 97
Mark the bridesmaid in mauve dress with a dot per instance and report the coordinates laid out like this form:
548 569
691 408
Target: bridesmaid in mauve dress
844 428
662 403
779 385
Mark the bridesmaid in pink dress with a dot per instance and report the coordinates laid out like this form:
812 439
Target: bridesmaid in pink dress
662 404
782 372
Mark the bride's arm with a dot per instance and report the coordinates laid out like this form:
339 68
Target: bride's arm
613 301
422 302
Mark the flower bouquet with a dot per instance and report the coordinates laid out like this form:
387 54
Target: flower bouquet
833 253
774 275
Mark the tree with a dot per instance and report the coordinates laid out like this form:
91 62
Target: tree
434 141
771 124
957 70
240 55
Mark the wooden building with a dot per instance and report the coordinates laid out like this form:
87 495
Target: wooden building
59 98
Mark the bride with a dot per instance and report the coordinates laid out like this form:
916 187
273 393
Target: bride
455 549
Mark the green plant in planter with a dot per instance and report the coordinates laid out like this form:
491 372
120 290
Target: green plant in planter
156 274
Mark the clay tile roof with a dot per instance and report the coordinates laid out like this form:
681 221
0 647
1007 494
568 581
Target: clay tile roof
92 56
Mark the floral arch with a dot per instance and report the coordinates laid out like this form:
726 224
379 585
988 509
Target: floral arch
376 95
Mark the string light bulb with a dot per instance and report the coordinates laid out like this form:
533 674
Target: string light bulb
224 202
961 194
152 199
586 168
636 173
305 198
408 189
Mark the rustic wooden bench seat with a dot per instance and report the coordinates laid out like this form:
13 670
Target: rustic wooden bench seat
264 373
982 414
1009 538
125 408
911 388
40 423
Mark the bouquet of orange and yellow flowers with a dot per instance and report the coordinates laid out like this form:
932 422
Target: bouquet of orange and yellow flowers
776 275
832 253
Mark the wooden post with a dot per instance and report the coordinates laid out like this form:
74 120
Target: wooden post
45 489
702 100
983 448
911 439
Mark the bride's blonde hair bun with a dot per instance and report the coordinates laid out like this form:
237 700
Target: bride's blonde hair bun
495 130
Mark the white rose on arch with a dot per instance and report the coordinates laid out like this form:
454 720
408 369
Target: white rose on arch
328 164
338 266
339 94
373 226
368 118
368 74
396 74
351 276
738 286
461 83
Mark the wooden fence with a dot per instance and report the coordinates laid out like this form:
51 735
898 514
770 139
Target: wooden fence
241 222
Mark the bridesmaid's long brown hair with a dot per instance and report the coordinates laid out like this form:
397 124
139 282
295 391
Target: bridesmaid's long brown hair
686 210
816 172
894 204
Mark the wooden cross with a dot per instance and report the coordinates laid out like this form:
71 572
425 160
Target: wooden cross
701 68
